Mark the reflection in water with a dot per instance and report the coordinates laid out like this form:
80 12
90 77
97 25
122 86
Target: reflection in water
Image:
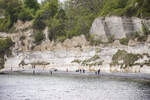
28 87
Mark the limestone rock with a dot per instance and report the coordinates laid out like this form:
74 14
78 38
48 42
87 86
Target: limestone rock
45 32
135 69
116 43
132 43
116 27
67 43
78 41
145 69
20 26
98 30
148 39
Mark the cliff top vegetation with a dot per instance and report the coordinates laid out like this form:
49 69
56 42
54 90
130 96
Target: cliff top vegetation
68 19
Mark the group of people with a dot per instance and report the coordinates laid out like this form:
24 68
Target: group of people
98 72
83 71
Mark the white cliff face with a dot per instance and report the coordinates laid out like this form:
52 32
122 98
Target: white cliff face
61 59
99 27
60 55
116 27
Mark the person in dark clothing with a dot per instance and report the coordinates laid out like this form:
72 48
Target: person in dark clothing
98 72
67 70
77 70
83 71
33 72
80 70
51 72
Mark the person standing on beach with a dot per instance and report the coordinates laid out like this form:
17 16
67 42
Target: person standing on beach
51 72
98 72
83 70
67 70
80 70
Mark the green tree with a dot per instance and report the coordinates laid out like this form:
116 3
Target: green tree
11 9
80 15
48 10
25 15
39 21
143 8
57 26
32 4
129 8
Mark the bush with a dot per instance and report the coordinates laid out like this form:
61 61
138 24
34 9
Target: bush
127 58
25 15
124 41
145 29
61 38
76 61
38 37
39 23
5 44
144 34
135 35
5 24
56 29
32 4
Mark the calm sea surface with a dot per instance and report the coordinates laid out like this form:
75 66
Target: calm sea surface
40 87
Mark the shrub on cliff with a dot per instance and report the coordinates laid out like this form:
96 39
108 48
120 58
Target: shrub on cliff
5 44
124 41
128 59
57 26
38 37
25 15
32 5
39 22
5 24
144 34
145 29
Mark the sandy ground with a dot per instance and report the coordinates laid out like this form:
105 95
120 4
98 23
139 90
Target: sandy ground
140 76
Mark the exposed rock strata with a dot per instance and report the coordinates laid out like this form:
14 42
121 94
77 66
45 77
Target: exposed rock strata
116 27
63 59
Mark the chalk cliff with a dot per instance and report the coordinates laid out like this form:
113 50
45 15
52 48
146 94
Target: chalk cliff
115 27
77 53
